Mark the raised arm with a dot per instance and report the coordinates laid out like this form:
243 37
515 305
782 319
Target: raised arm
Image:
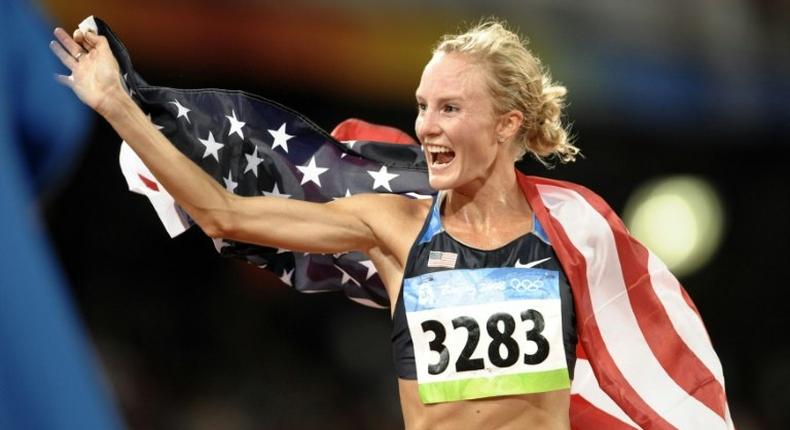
291 224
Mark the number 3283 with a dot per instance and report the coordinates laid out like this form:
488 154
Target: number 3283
500 327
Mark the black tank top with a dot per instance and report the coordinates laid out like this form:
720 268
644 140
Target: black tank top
532 249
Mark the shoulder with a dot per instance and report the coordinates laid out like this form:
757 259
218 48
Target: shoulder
394 221
539 181
384 206
557 192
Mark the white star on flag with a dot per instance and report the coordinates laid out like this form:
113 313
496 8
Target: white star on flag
219 244
235 124
158 127
348 194
280 138
126 81
371 268
349 144
182 111
212 146
346 276
252 162
382 178
286 277
229 184
311 172
275 192
420 196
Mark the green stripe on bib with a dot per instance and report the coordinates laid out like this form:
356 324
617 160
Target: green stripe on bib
504 385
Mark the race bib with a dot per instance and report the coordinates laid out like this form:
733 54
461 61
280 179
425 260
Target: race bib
486 332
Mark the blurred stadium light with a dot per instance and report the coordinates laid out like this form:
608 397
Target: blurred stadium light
680 218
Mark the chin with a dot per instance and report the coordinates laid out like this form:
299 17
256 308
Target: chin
442 181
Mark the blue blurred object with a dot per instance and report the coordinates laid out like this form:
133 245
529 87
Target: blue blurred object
48 377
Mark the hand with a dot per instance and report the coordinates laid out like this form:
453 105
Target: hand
95 74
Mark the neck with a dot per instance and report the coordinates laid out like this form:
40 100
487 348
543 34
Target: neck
480 203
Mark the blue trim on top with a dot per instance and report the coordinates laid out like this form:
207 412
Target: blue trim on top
537 228
435 224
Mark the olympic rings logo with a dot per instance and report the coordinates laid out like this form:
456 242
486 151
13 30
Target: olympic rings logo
527 285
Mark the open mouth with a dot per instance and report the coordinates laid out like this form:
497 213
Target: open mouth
440 156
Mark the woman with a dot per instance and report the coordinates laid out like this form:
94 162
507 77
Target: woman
484 333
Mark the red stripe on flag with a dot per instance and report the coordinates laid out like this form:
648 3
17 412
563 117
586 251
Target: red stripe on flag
677 359
585 416
148 182
609 377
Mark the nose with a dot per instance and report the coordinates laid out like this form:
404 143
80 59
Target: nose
426 125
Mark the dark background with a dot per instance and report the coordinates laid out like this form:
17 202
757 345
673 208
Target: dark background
190 340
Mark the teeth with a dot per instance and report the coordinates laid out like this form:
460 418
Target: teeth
437 149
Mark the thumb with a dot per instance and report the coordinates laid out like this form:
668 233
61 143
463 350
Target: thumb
65 80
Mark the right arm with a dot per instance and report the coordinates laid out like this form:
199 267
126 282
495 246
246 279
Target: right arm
342 225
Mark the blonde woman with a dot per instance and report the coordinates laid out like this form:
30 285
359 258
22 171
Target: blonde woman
484 325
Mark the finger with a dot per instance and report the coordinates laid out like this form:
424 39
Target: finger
65 80
94 39
79 37
68 43
64 56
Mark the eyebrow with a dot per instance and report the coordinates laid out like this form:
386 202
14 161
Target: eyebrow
443 99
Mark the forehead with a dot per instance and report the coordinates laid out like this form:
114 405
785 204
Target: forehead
452 75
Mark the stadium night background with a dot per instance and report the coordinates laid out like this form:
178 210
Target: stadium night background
681 109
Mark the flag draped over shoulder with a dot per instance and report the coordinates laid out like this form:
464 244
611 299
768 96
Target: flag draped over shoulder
645 360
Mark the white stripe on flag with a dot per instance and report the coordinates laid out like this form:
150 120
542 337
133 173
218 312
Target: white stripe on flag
681 315
591 235
585 385
175 220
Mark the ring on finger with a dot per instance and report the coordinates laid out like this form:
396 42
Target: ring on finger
78 55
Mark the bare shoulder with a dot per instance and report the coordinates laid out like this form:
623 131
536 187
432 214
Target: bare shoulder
375 207
393 219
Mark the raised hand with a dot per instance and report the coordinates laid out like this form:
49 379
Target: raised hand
95 74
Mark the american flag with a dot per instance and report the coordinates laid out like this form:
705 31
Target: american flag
645 359
253 147
442 259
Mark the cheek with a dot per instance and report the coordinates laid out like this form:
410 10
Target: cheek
477 143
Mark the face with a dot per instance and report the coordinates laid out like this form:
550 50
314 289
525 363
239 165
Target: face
456 124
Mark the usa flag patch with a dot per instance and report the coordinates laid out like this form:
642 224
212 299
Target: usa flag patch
442 259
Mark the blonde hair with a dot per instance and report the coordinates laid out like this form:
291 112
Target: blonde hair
518 81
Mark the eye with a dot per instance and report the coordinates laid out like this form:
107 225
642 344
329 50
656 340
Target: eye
449 108
421 107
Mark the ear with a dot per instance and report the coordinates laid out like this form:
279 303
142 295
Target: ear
508 125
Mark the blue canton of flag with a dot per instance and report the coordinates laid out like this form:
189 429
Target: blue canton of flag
253 147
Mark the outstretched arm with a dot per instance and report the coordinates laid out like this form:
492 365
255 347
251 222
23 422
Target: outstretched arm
311 227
